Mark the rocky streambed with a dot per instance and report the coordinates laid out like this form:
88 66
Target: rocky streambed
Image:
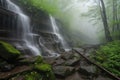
72 66
69 66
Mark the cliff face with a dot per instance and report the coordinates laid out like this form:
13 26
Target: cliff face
41 28
39 18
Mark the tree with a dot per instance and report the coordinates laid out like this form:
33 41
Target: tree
104 20
116 23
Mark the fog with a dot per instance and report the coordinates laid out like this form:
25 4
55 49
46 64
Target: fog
82 24
72 14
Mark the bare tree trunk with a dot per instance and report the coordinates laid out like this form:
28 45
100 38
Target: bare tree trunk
114 18
116 25
104 20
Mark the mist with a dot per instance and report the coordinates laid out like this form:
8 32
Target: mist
81 26
71 13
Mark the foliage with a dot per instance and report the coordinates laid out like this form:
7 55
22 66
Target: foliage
39 71
109 57
112 14
45 69
53 7
33 76
50 6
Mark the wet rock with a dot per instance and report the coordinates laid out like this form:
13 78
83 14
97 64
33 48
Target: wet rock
18 78
63 71
59 62
72 62
75 76
67 55
89 51
49 60
87 70
59 79
102 78
31 60
6 67
80 49
70 55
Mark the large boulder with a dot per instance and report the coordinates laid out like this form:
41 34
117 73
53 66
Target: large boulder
102 78
70 55
63 71
75 76
8 52
59 62
72 62
87 70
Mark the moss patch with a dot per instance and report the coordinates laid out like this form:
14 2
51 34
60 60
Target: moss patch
46 71
43 67
39 60
33 76
7 51
39 71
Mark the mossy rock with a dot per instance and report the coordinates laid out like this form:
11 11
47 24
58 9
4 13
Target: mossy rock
8 52
42 67
31 60
39 59
46 70
33 76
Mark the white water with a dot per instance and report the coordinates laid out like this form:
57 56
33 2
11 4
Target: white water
49 52
57 33
24 22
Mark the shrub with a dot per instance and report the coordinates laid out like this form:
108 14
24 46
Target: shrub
109 57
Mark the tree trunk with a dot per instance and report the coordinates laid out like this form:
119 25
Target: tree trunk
104 20
116 25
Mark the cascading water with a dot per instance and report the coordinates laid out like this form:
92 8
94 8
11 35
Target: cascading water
49 52
24 23
2 3
57 33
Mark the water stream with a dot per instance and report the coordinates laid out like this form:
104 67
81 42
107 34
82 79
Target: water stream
49 52
24 23
57 33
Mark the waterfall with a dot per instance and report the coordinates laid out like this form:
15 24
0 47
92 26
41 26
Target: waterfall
57 33
49 52
24 24
2 3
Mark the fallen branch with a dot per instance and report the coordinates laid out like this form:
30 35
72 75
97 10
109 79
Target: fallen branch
100 67
17 70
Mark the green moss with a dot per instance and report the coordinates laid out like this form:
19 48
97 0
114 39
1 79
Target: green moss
7 51
33 76
43 67
39 76
46 70
9 48
108 56
39 60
